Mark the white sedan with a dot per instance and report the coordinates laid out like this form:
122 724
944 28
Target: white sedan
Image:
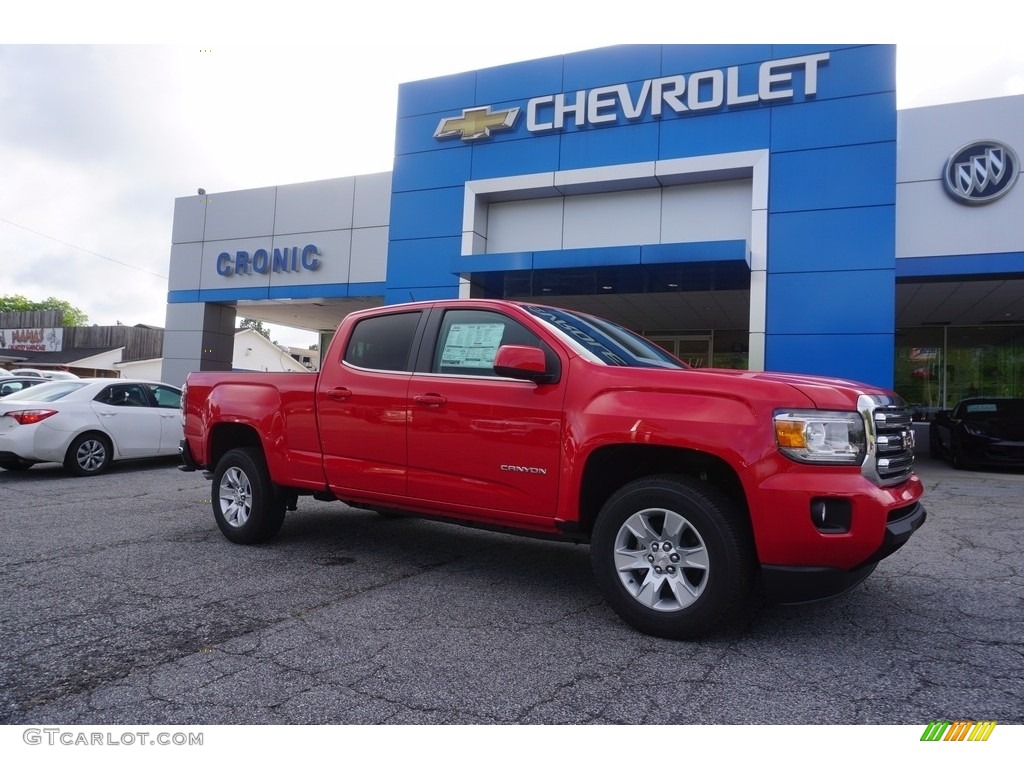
88 423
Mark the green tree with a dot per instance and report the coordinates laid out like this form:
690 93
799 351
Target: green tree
72 315
256 325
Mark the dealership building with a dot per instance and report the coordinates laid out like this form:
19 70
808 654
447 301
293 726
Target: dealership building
763 207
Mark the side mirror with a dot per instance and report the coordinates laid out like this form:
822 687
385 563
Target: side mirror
522 362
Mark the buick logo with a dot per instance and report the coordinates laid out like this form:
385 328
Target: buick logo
981 172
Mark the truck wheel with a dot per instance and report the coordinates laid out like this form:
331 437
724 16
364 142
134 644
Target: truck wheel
249 509
88 454
672 556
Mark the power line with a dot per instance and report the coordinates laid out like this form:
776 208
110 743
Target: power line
84 250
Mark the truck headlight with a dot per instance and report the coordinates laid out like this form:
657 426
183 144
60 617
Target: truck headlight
821 437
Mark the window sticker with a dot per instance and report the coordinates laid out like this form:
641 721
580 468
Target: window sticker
472 345
982 407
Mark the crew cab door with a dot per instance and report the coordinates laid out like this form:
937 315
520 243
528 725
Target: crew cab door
362 406
480 444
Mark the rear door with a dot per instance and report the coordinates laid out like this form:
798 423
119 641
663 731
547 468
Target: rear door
362 406
168 402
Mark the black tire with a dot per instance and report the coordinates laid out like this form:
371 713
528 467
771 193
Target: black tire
677 602
956 454
248 507
15 465
89 454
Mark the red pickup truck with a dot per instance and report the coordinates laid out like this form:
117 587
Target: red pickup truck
692 486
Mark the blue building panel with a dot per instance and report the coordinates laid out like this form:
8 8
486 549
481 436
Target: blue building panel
687 59
427 214
831 175
421 293
321 290
416 134
428 170
587 257
611 66
837 122
422 262
975 264
712 250
829 240
537 154
836 177
608 146
437 94
735 131
839 302
514 82
863 357
492 262
849 71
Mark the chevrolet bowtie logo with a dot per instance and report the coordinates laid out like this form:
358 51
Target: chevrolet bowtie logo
476 123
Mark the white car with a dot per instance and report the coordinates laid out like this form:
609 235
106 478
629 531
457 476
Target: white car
88 423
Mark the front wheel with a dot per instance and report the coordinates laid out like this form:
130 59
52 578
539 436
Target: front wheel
248 507
672 556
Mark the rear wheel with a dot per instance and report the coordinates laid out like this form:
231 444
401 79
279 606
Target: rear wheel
672 556
248 507
88 454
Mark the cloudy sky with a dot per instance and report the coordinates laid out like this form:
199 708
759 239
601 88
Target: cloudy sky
104 123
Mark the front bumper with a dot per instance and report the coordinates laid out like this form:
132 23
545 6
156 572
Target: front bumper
802 584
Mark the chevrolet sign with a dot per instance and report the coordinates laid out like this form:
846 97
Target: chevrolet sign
697 92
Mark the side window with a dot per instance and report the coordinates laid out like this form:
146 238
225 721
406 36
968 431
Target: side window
130 395
383 343
165 397
469 339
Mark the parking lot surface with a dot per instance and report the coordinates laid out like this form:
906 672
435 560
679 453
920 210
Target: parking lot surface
122 603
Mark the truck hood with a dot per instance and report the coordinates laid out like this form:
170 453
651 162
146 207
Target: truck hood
826 393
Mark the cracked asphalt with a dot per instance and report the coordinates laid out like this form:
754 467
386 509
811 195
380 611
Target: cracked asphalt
122 603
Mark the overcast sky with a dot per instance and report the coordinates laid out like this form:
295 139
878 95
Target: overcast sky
98 137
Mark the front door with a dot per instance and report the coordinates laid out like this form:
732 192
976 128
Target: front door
479 443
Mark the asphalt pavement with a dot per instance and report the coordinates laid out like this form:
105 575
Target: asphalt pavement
122 603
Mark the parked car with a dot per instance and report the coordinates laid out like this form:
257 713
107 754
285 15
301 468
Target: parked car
5 374
88 423
43 373
980 431
12 385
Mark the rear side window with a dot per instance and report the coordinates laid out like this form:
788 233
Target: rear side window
166 397
383 343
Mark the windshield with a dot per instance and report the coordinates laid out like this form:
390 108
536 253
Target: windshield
47 393
604 341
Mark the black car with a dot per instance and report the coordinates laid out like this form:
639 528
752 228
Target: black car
980 431
10 385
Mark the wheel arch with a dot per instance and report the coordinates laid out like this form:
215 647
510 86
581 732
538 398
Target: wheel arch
610 467
225 436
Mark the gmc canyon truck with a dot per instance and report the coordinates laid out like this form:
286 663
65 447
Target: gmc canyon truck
695 488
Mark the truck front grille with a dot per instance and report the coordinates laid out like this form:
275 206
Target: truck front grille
891 439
